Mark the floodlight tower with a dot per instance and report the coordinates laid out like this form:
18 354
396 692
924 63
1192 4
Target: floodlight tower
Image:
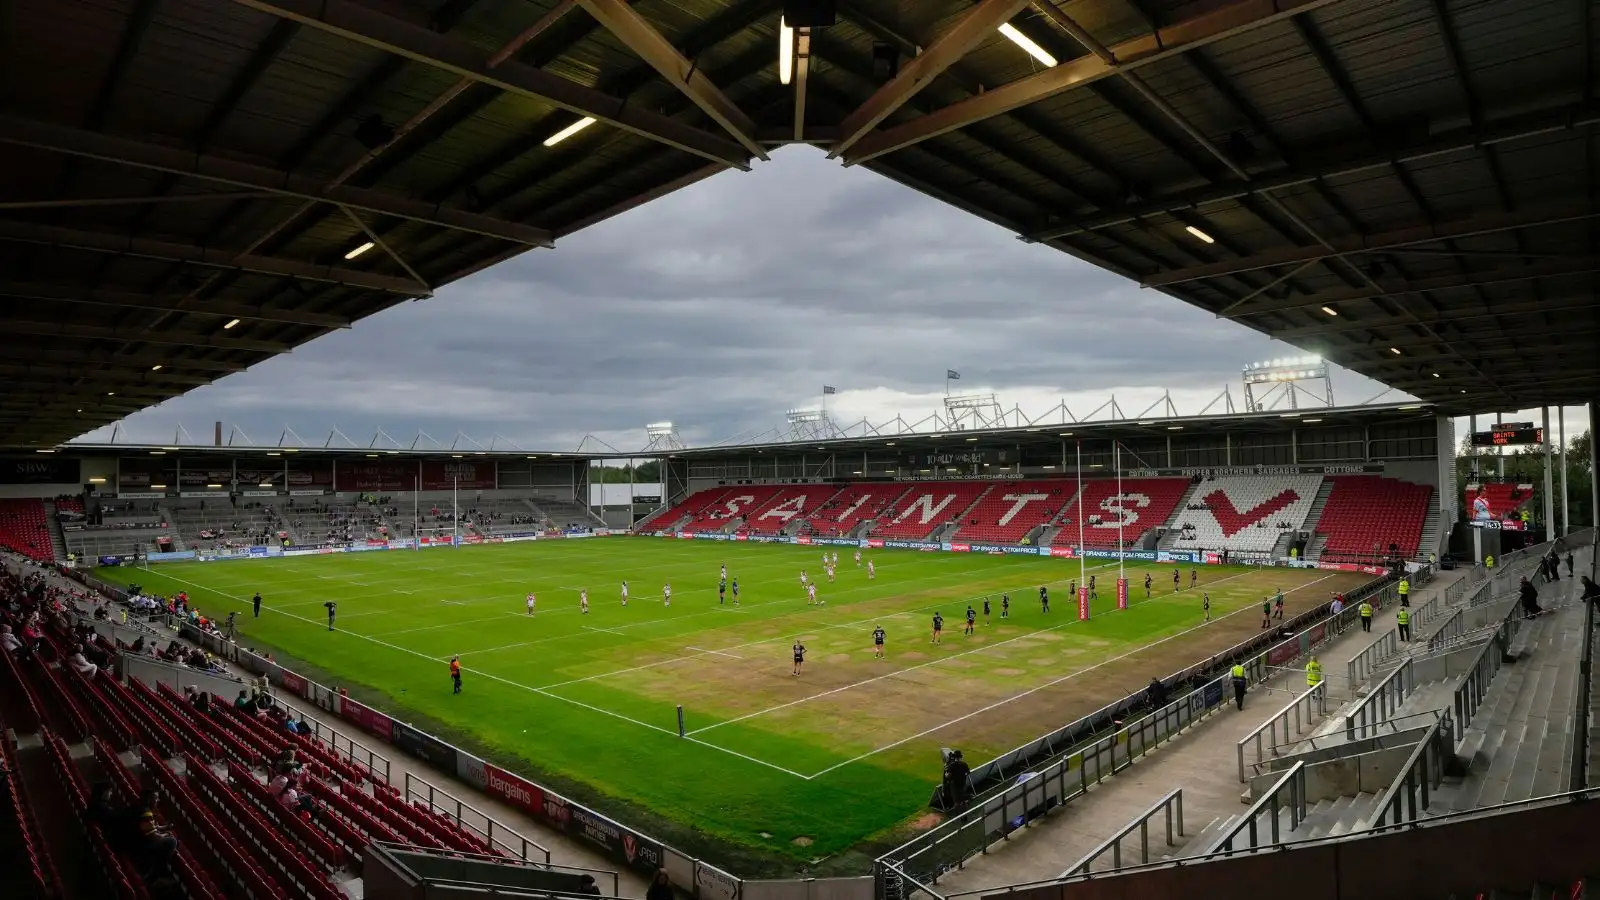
1282 379
809 425
663 438
974 411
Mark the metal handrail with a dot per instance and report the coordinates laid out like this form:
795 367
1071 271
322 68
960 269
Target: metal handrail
1293 783
1315 701
1170 804
1469 694
1421 774
1453 627
1363 664
1377 732
1381 702
494 833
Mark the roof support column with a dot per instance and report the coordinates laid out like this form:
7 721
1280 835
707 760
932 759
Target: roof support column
1550 532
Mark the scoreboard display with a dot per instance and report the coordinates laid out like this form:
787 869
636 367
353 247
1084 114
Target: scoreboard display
1511 436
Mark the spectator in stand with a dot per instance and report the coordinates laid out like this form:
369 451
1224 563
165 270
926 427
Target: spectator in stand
81 665
286 763
660 887
244 703
1530 599
1591 591
9 641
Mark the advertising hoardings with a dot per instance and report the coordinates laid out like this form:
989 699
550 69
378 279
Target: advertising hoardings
41 470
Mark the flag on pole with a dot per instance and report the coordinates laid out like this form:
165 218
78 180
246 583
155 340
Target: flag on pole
952 375
829 389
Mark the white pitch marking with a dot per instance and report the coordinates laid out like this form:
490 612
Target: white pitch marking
717 652
605 630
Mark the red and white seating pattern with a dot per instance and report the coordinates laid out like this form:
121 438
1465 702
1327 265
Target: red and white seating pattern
1006 514
25 528
784 506
1246 514
1499 500
1367 513
841 513
1110 513
927 506
694 505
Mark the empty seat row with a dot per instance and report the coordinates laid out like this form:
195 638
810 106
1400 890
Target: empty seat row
34 874
1366 513
25 528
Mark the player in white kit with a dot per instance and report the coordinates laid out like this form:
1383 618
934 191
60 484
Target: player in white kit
624 593
583 601
531 601
872 570
836 559
804 579
811 594
724 572
666 594
830 574
858 559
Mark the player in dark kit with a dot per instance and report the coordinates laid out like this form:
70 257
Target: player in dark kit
1094 594
256 601
735 592
985 610
722 591
1044 598
972 621
1266 613
877 641
1194 577
938 627
1005 606
799 657
1277 606
332 607
1147 585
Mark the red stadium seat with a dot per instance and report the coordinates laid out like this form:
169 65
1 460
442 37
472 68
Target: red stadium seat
844 511
25 528
1110 512
1366 513
789 504
928 505
1006 514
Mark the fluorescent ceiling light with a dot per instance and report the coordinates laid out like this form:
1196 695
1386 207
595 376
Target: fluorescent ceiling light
156 367
1200 234
359 250
569 131
1309 421
1330 310
231 323
1027 45
213 486
265 484
44 451
97 480
1174 427
785 51
111 393
1410 407
1436 374
1395 350
969 440
159 487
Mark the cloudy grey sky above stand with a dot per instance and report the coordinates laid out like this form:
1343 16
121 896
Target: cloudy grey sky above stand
725 304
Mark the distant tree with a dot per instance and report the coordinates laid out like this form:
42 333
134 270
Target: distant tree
1580 451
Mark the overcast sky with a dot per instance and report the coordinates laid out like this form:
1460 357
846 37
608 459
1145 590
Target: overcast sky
725 304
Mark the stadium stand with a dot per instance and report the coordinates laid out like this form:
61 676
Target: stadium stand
211 524
25 528
1368 512
691 508
1012 510
1244 515
563 513
849 508
1141 505
927 507
731 507
787 506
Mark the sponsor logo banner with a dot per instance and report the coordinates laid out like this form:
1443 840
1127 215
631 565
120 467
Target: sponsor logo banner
1083 604
1144 555
1247 471
139 495
639 853
369 720
714 884
1177 556
1282 653
472 770
804 539
171 557
647 499
958 548
307 493
424 747
515 790
874 543
292 682
910 545
456 474
260 552
1213 559
202 495
1063 552
1350 567
1122 593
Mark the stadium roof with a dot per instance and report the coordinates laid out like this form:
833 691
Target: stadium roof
1099 430
1407 187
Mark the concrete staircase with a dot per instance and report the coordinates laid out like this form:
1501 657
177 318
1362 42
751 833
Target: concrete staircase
1314 514
174 529
58 538
1325 818
1518 746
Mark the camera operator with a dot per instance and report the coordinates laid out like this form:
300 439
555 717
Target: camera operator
332 607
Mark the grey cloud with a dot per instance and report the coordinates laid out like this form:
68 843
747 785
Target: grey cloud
723 305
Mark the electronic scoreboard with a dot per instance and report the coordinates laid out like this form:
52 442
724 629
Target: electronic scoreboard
1508 436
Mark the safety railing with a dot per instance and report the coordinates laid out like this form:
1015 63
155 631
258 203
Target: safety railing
1303 710
1336 746
1412 789
496 834
1361 667
345 747
1169 807
1578 756
1470 692
1262 825
1453 627
1381 703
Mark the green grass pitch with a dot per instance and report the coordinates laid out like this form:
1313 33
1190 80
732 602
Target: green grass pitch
787 767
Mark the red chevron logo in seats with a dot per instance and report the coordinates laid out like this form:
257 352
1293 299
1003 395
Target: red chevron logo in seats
1233 521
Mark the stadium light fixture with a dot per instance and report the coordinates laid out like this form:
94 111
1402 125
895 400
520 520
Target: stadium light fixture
1174 427
890 444
1066 434
1330 310
1436 374
111 393
1411 407
455 456
273 453
1200 234
1395 350
44 451
265 484
97 480
569 131
1028 46
158 487
214 486
971 440
1047 467
158 453
290 450
785 51
1309 421
359 250
156 367
231 323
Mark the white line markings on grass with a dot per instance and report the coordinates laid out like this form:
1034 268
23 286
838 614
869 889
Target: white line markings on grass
717 652
515 684
1034 690
605 630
